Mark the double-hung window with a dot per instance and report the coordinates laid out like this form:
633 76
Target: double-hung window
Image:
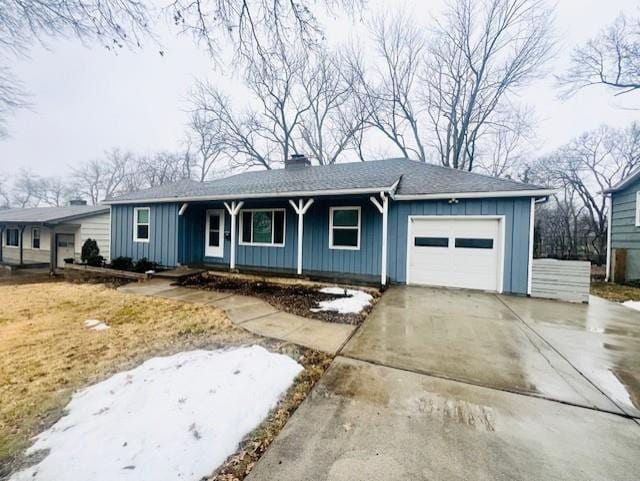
12 239
637 209
35 238
141 224
262 227
344 228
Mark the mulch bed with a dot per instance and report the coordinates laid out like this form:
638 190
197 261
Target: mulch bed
296 299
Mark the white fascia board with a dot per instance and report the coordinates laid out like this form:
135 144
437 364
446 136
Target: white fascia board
308 193
477 195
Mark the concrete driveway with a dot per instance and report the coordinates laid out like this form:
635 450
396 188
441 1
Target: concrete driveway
443 384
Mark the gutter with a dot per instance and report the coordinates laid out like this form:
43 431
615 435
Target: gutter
477 195
301 193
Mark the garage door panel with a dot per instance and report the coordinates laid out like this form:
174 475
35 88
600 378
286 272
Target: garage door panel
474 264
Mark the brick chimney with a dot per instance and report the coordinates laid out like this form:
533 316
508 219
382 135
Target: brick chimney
297 161
77 202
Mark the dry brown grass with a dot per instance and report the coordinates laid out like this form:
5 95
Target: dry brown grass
615 292
46 352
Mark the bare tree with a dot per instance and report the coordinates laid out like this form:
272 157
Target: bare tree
158 169
480 54
390 93
254 26
274 82
589 165
612 59
240 142
267 131
5 199
335 117
506 143
205 144
100 179
24 192
23 22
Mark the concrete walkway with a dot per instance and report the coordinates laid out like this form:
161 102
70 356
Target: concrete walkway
254 315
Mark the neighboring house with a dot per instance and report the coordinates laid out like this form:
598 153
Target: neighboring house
392 220
623 241
48 235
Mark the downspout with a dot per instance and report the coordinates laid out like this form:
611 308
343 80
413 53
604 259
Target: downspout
609 223
2 227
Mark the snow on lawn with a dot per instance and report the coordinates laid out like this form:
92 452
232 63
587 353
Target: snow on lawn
171 418
95 325
352 304
632 304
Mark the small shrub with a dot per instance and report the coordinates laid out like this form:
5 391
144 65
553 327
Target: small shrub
122 263
90 249
68 260
144 265
95 261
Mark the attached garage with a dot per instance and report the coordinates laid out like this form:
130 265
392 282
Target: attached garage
456 251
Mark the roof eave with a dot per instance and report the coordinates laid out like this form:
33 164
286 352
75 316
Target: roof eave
478 195
312 193
57 220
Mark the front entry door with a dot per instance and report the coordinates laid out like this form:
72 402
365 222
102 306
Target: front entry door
65 248
214 233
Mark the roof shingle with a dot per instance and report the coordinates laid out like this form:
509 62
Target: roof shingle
414 178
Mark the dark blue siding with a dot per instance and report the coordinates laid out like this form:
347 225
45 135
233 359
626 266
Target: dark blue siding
180 239
163 241
316 253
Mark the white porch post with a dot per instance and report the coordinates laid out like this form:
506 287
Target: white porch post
233 210
384 210
300 209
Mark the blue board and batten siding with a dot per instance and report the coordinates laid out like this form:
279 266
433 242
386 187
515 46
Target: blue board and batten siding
180 239
624 233
162 247
516 212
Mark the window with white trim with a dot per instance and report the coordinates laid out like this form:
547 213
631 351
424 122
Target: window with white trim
637 209
35 238
344 228
12 238
141 224
262 227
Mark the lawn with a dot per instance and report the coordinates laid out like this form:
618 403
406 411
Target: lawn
47 352
615 292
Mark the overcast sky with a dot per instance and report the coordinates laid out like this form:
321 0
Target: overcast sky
86 99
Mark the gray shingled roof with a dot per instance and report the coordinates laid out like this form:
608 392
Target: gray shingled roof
414 178
51 215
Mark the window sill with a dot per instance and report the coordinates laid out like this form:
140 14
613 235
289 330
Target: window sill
258 244
344 248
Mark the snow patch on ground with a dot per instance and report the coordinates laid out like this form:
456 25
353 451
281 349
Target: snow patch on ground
176 417
632 304
355 301
95 325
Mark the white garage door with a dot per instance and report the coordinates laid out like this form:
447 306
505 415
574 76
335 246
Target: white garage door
455 252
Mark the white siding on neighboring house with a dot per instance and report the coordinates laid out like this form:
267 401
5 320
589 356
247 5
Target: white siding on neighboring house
95 227
12 254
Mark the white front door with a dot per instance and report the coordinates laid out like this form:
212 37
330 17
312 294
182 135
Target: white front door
214 233
455 252
65 248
